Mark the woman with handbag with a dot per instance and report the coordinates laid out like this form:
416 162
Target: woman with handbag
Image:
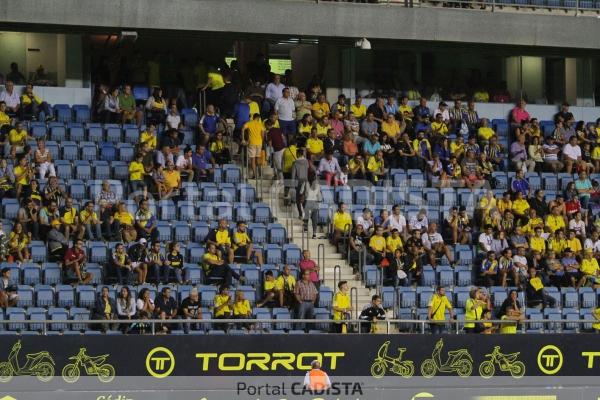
477 304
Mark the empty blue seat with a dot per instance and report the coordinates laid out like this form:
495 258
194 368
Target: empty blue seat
113 134
82 113
76 132
52 274
126 152
65 296
277 234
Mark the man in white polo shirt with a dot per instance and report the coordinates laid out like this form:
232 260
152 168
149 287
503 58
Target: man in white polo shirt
11 98
571 153
285 108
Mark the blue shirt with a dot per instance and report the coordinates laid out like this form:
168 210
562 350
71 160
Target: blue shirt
583 185
209 123
391 108
520 185
371 147
202 161
423 112
241 114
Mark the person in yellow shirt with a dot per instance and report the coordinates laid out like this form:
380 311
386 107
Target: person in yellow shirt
221 238
285 284
474 310
270 291
358 109
17 244
242 309
69 219
172 180
405 109
342 223
341 306
555 221
254 133
89 219
393 241
596 157
323 126
321 107
537 242
125 223
436 311
136 176
439 128
314 145
596 316
377 246
32 105
391 127
290 154
574 243
242 245
505 203
17 138
484 132
23 175
223 306
4 119
457 147
533 222
149 136
520 206
589 270
487 202
376 167
557 242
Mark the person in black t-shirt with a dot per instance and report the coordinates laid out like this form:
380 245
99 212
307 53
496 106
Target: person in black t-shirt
190 309
165 307
174 262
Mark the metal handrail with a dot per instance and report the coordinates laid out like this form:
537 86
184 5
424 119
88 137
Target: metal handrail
457 324
320 247
337 276
354 300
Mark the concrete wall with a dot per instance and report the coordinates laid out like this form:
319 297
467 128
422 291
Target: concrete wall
330 19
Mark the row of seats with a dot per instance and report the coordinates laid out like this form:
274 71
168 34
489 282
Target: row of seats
408 297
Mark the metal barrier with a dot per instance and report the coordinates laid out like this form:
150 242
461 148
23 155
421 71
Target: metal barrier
321 251
354 301
337 276
418 325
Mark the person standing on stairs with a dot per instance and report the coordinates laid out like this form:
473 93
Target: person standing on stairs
299 174
309 198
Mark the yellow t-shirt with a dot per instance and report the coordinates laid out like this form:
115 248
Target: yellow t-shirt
596 153
17 137
289 156
4 119
487 204
508 328
322 130
342 220
16 243
315 146
124 218
340 300
172 179
485 133
206 257
305 129
70 217
596 315
136 171
255 132
377 243
536 283
150 138
222 299
575 245
558 245
456 148
438 305
533 222
537 243
392 130
254 108
374 164
241 308
319 110
555 223
439 128
269 285
26 100
240 239
393 244
405 109
358 111
222 237
18 170
280 282
87 217
216 80
519 206
473 312
589 267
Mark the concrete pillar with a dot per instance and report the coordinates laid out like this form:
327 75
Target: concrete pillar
585 82
571 80
305 64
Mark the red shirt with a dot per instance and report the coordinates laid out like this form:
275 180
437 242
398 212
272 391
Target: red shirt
519 115
73 254
309 264
277 140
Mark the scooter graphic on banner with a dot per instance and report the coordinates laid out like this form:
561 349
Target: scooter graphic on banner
458 361
404 368
506 362
92 365
39 364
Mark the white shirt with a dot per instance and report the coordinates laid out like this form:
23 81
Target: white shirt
285 108
550 156
273 91
578 227
573 152
397 222
173 121
445 114
366 223
140 304
589 244
520 259
182 162
414 223
430 239
11 100
485 241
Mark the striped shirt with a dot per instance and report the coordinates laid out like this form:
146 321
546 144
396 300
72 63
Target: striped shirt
306 291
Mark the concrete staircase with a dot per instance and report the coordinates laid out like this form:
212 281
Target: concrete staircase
272 194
